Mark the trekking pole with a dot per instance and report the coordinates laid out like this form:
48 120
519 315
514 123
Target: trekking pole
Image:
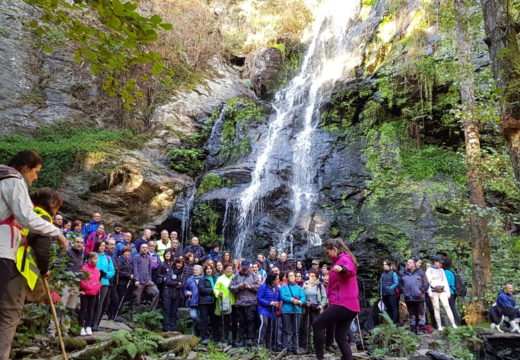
308 320
272 321
224 337
55 317
360 335
297 335
122 298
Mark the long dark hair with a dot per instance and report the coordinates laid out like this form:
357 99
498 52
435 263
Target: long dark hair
28 158
342 248
48 199
271 277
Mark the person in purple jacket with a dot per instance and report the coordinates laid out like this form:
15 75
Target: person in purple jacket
342 295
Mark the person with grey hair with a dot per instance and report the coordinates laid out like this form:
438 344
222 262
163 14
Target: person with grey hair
191 293
197 250
142 271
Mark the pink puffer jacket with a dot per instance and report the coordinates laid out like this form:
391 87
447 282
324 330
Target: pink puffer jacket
343 287
91 284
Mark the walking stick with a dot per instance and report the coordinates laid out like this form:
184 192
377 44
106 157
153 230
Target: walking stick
307 328
55 317
122 298
360 335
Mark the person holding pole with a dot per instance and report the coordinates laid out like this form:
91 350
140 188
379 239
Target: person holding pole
342 296
268 298
16 213
293 299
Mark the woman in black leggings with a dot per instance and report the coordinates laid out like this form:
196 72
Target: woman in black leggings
343 300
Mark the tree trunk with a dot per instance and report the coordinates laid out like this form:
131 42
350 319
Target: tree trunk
501 32
481 272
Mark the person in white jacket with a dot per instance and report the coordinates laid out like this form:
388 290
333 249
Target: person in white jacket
439 291
16 213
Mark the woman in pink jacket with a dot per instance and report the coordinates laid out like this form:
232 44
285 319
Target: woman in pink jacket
342 294
89 287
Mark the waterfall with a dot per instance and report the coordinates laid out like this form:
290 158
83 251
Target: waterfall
186 214
332 54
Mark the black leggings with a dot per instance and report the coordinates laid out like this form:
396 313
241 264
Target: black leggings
341 317
88 309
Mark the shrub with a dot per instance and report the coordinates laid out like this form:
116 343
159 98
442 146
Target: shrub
186 160
389 340
150 320
205 220
212 181
62 148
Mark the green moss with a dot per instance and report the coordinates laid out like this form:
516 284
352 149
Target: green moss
213 181
205 220
63 147
239 113
431 161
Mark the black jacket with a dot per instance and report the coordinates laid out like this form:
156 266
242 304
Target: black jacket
125 269
76 260
41 249
205 292
173 280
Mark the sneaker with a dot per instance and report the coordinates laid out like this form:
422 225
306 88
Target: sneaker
204 342
89 331
440 329
83 332
454 326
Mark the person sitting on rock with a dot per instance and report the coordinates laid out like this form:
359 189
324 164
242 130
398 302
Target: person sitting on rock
197 250
505 296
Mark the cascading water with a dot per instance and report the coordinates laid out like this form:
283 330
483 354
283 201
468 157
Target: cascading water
330 57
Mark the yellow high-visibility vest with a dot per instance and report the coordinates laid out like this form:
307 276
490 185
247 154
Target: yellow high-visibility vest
25 261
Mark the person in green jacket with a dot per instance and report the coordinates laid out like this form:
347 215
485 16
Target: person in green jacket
225 299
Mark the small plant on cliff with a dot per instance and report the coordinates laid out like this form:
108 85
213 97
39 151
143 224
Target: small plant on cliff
205 220
390 340
212 181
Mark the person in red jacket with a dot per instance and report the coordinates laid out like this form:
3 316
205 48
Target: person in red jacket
89 287
343 299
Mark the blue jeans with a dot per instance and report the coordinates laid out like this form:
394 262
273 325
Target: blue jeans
194 315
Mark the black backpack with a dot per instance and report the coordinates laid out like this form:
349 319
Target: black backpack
460 288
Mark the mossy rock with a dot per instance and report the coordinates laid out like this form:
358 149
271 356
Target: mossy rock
72 344
180 344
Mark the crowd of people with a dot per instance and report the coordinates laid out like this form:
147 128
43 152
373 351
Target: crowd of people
270 301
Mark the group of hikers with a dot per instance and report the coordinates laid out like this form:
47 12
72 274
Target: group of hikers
270 301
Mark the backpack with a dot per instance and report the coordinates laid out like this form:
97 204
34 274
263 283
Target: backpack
460 287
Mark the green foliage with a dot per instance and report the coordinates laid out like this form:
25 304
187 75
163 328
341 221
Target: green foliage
430 161
205 220
239 112
186 160
212 181
150 320
133 345
463 342
108 35
63 147
389 340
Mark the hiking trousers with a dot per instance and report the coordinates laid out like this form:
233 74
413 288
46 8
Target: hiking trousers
341 317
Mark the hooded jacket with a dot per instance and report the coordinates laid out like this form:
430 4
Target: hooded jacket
89 228
90 284
16 205
192 285
222 286
106 264
266 294
505 300
343 287
245 297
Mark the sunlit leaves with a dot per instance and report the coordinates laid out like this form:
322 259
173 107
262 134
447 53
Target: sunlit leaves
109 35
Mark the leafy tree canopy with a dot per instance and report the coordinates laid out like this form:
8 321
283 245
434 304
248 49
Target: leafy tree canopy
111 37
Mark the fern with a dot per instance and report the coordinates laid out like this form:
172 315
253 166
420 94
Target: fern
151 320
389 340
132 345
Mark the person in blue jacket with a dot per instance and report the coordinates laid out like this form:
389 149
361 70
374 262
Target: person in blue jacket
268 298
92 225
387 290
293 297
106 268
191 293
505 297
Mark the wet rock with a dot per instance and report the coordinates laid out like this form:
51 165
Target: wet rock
180 344
192 356
499 346
264 68
94 351
113 325
437 355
